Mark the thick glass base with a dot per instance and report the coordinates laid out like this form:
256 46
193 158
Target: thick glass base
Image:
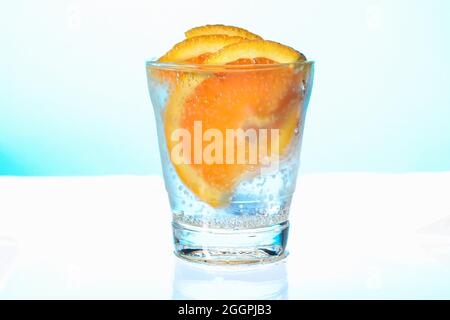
228 246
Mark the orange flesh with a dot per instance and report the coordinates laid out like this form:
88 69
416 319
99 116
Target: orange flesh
199 59
259 60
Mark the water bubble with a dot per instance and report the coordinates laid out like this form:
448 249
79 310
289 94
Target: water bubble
303 88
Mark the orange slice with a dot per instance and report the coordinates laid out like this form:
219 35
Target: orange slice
256 49
221 29
197 49
252 99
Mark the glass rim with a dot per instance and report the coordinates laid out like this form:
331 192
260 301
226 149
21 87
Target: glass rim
154 64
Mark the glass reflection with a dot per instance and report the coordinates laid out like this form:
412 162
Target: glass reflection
8 249
194 281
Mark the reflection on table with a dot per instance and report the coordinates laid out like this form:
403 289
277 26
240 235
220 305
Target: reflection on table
195 281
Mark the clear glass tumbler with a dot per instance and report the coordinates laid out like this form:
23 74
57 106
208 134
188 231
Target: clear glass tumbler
230 139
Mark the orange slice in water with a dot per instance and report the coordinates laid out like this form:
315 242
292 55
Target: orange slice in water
253 99
221 29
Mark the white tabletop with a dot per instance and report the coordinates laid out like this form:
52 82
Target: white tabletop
352 236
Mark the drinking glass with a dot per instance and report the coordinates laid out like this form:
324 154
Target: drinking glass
230 139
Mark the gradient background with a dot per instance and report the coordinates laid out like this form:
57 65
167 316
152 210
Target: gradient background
74 100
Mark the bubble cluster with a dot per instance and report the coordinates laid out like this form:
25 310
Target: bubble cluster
257 202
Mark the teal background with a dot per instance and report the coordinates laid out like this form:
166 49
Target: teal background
74 100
